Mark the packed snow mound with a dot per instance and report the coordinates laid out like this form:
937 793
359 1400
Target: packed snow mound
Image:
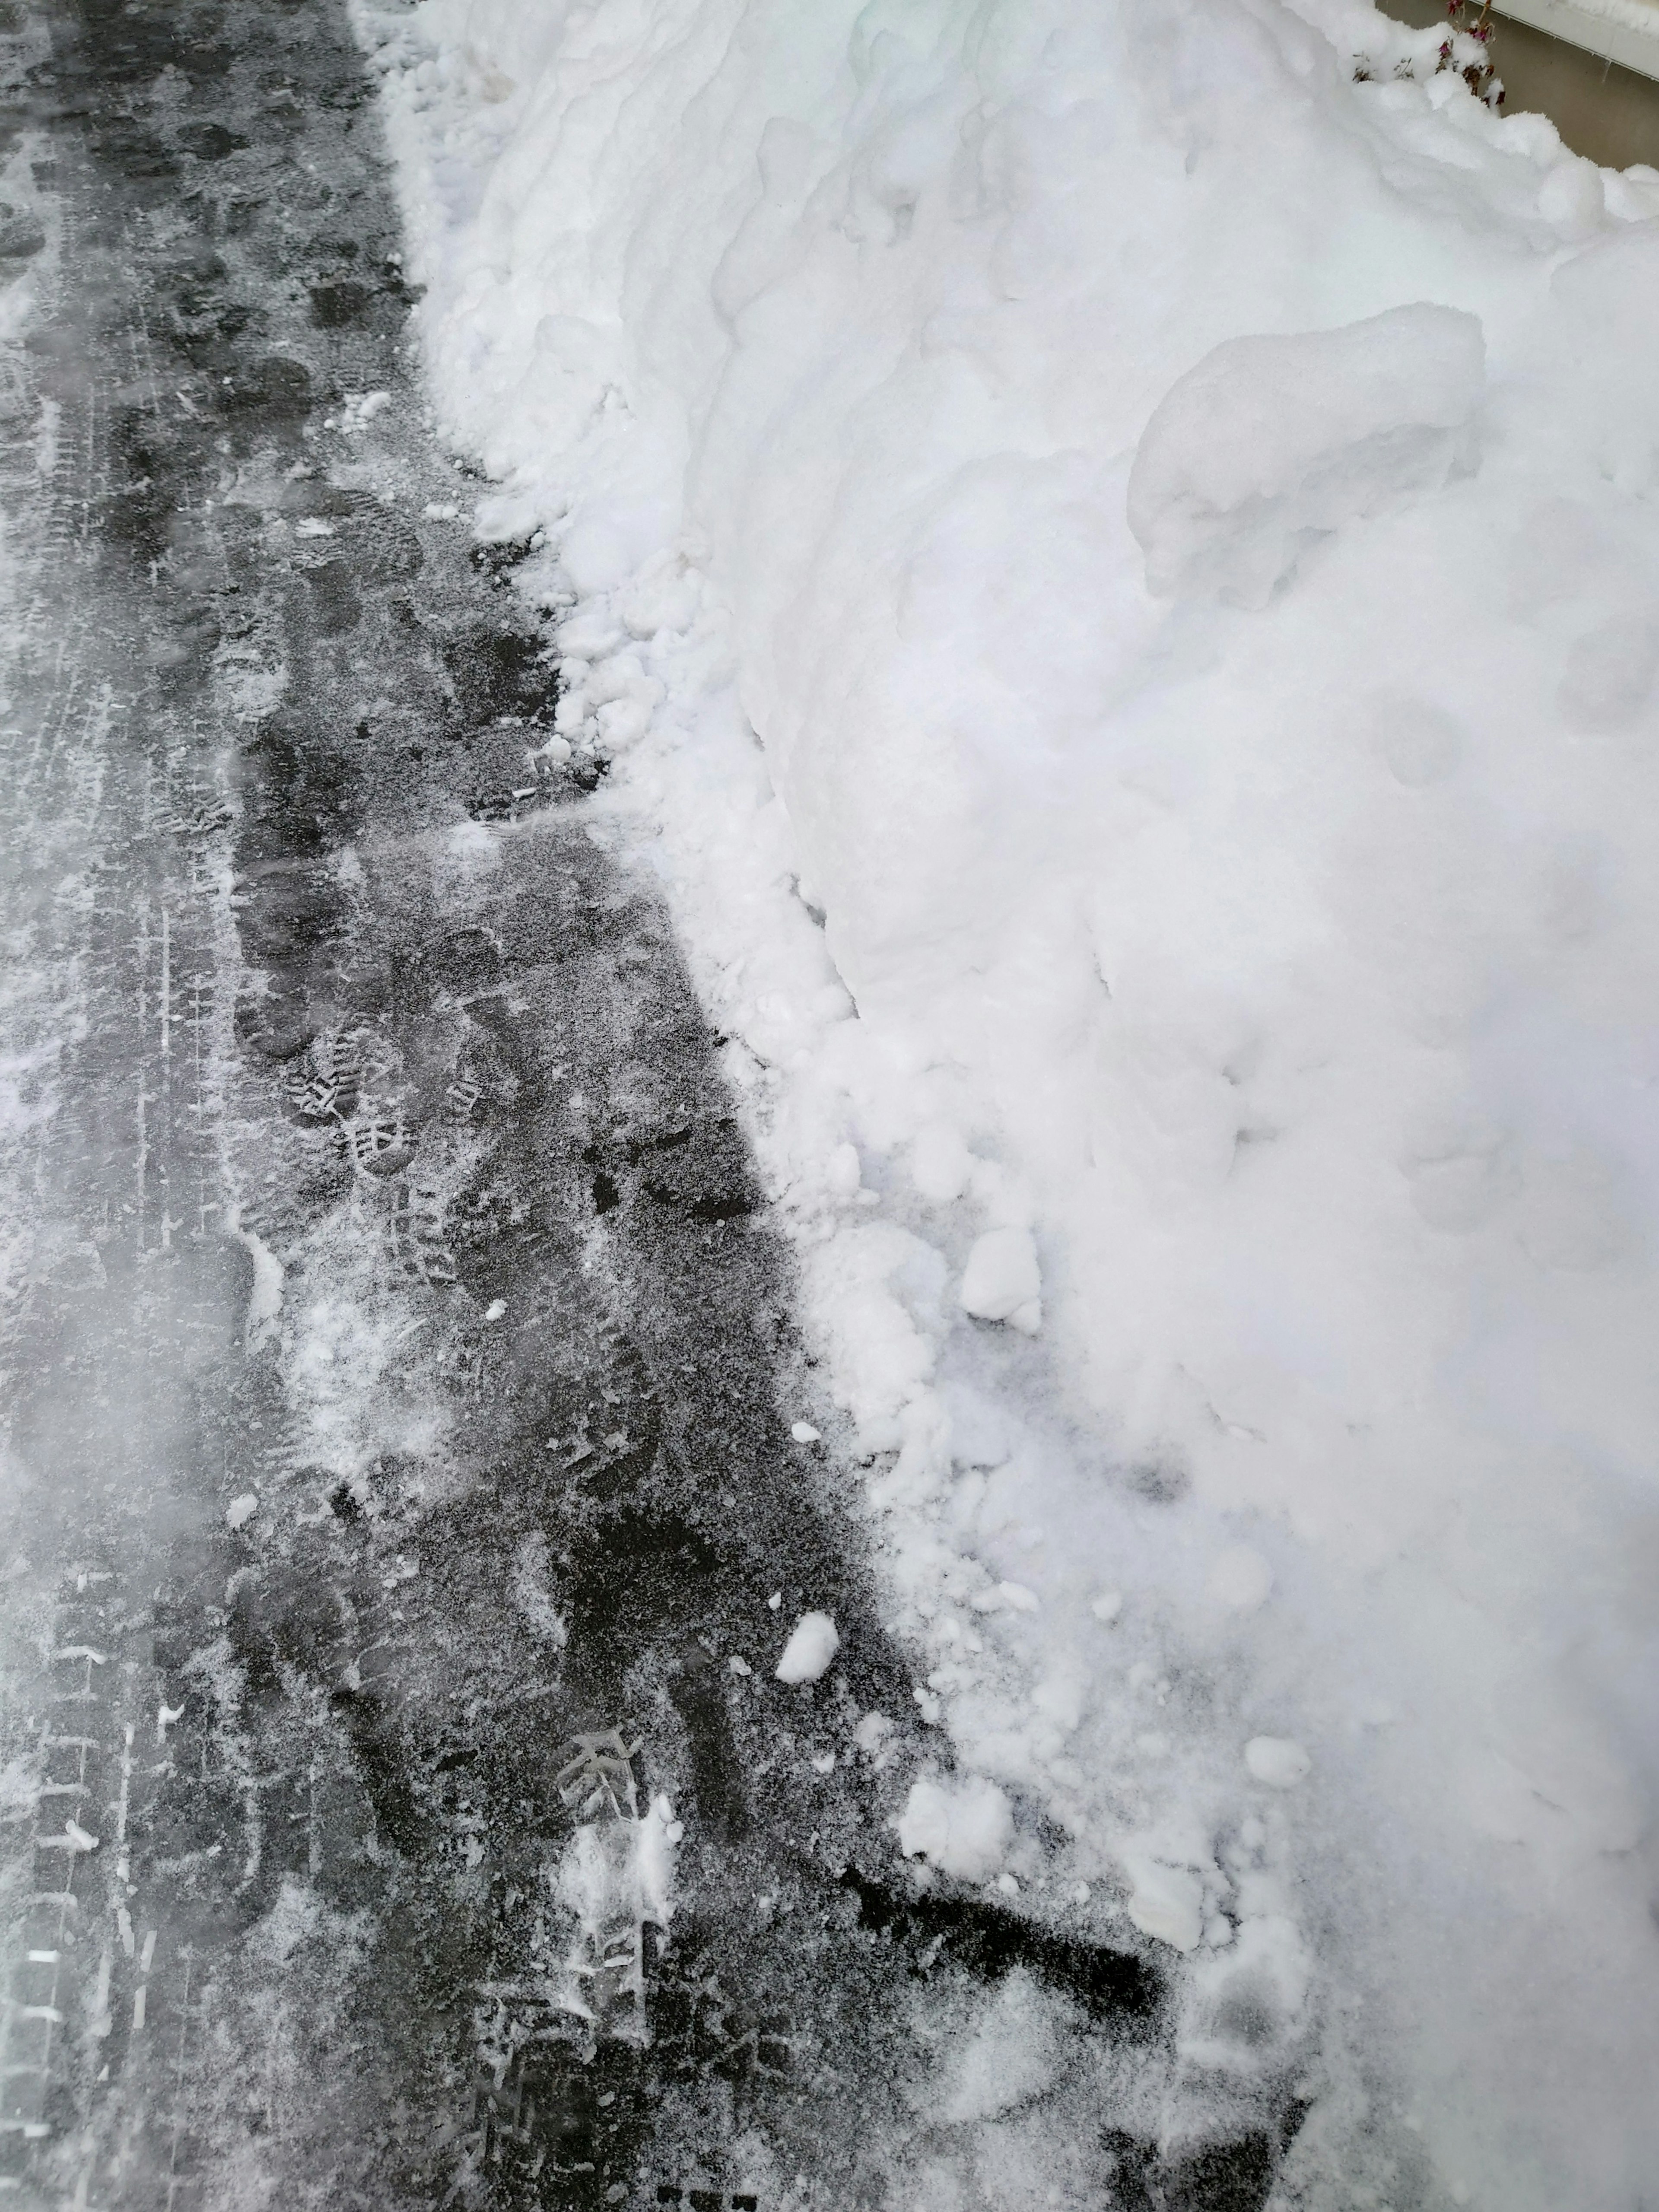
963 1827
1270 442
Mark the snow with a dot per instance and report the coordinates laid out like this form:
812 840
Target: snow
1240 1577
1165 1902
813 1642
1118 568
1001 1281
963 1827
1014 2055
1271 442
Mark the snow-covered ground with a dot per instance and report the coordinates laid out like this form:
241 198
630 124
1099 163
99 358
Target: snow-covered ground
1115 549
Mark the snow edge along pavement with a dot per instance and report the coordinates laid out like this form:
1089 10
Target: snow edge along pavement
893 1161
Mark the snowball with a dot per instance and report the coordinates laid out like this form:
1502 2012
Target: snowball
240 1510
804 1432
1276 1760
1270 440
1001 1281
813 1642
1239 1577
964 1828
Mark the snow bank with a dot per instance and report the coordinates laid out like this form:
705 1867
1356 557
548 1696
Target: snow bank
1272 984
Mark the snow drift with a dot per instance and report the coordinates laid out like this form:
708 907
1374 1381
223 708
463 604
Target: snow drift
1200 840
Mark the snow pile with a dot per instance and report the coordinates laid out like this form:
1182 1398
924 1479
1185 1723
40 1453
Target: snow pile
1186 930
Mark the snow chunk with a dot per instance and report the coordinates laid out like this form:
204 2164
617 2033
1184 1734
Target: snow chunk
264 1304
964 1828
1166 1902
1270 440
812 1644
1002 1282
1005 1598
240 1510
1278 1761
659 1837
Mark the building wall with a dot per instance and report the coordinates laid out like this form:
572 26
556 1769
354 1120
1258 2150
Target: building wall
1603 110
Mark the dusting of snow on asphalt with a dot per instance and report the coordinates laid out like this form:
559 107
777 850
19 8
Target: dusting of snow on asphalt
1115 565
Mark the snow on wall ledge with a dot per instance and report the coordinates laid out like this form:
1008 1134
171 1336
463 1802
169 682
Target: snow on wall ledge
1264 962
